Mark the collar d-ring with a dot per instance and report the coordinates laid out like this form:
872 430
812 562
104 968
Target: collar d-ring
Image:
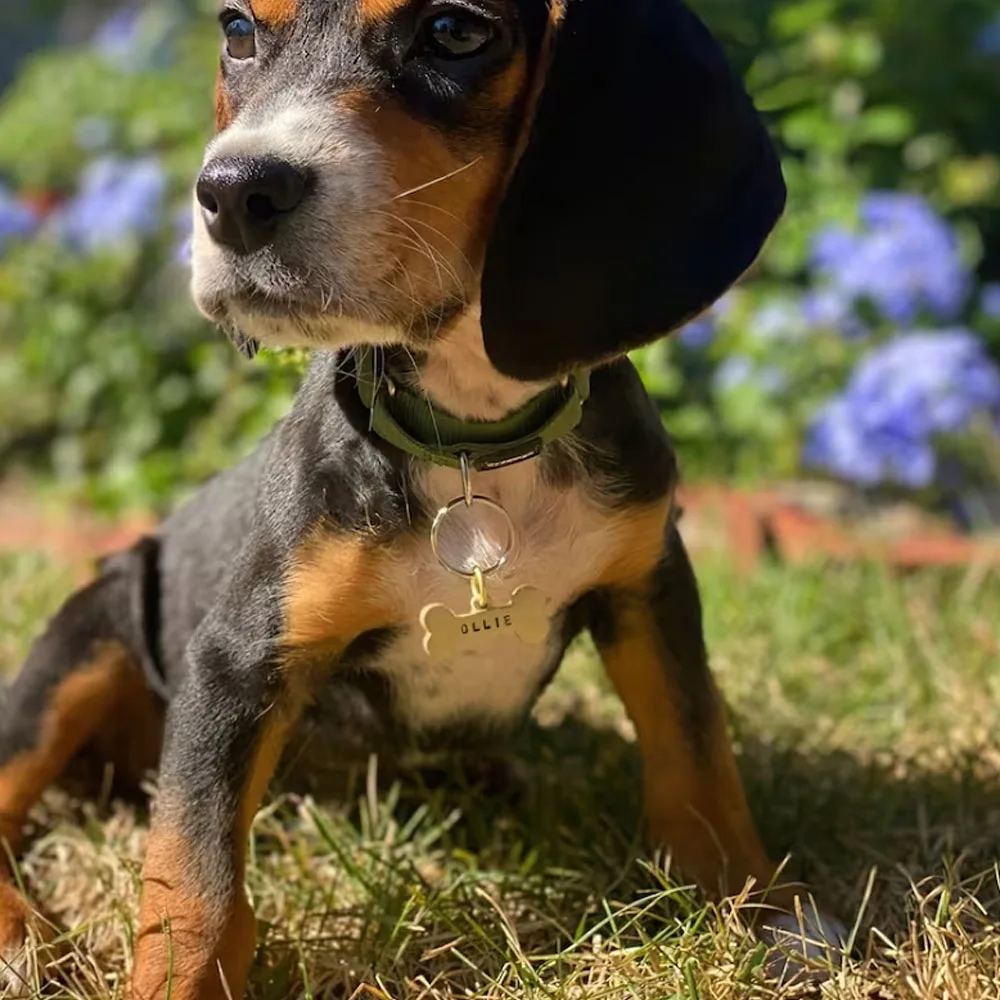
466 469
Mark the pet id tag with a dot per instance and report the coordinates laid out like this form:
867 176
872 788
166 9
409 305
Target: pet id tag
473 537
525 617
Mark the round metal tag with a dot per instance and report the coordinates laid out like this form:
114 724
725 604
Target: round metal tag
472 533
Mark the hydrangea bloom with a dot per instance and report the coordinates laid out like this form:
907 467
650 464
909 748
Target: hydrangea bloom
906 260
117 38
17 219
989 300
184 231
118 199
138 36
699 333
882 428
830 309
988 40
779 319
734 371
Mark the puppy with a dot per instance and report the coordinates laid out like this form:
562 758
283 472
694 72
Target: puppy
471 210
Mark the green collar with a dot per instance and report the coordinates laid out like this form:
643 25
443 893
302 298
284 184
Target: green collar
411 422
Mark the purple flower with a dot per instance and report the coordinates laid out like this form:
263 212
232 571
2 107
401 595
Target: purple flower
829 309
17 219
698 334
734 371
118 200
780 319
988 40
117 39
184 231
906 260
138 36
989 300
832 248
901 396
838 443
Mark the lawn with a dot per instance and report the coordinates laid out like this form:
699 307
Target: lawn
866 711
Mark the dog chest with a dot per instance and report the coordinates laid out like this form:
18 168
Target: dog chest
489 664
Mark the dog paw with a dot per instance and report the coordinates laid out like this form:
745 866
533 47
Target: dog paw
803 948
20 931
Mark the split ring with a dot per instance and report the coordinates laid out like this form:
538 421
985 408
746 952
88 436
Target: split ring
471 536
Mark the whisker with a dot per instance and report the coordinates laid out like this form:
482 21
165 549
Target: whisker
425 394
437 180
438 208
437 232
431 252
436 259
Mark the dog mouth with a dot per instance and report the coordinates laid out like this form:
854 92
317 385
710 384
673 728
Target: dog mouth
251 301
285 307
228 291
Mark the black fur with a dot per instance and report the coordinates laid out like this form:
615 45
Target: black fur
647 188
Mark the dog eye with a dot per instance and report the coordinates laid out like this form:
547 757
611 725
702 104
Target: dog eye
240 36
457 34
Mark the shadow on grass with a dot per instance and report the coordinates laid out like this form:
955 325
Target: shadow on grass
458 859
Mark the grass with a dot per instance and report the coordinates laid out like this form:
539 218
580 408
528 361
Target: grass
867 721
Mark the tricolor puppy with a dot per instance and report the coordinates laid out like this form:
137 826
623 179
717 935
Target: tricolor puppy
471 210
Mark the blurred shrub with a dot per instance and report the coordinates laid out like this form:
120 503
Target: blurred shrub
871 311
108 378
863 346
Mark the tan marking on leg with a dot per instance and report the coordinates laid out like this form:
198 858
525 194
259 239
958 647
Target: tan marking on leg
77 708
18 930
174 950
694 797
131 738
191 946
332 594
640 535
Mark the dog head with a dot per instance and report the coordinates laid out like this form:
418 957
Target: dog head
589 172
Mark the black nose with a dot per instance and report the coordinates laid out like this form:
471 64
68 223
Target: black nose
243 198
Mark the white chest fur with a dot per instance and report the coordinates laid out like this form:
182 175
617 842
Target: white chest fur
562 541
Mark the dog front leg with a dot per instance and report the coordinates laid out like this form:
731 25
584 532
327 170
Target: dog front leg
653 649
227 728
252 668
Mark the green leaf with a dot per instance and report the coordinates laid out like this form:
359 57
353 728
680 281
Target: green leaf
889 125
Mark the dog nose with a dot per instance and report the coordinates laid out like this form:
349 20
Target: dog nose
243 198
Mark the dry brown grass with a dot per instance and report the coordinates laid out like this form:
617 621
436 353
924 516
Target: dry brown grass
866 715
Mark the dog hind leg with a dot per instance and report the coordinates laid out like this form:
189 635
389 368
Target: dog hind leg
81 686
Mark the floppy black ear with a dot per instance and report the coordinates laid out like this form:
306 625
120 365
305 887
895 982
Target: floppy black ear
647 187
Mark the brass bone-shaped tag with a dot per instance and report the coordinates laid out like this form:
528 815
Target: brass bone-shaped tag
446 633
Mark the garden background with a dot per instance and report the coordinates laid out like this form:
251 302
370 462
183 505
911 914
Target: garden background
862 354
863 348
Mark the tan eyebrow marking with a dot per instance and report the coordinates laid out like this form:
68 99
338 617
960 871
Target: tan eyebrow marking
379 10
275 12
223 109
